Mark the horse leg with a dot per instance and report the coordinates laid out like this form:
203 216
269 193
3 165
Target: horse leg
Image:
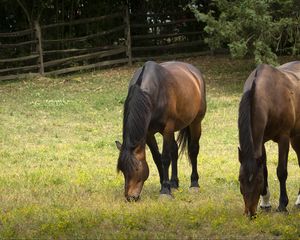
296 146
265 196
297 203
193 150
168 139
152 144
282 174
174 177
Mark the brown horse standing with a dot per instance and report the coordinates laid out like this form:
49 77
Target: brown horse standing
162 98
269 110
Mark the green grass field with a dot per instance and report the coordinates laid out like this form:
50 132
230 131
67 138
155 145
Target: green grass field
58 158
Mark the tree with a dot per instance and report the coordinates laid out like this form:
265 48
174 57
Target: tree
260 28
33 9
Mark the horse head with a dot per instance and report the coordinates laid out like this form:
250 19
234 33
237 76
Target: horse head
251 180
132 163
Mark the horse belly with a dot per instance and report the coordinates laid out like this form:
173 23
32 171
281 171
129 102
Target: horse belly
187 110
296 129
281 121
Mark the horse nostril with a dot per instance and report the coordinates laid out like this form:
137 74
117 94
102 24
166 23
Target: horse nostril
133 198
252 216
129 199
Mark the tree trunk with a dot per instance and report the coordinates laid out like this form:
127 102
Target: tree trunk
39 46
128 35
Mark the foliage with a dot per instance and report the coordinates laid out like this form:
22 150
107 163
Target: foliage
20 14
51 11
260 28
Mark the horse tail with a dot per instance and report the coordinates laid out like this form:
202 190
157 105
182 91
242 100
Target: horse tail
183 139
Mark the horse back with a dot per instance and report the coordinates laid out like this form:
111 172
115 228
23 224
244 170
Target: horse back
276 100
177 90
291 69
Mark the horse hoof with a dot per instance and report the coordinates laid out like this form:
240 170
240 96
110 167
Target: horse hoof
282 209
165 191
165 197
266 208
174 185
195 184
194 189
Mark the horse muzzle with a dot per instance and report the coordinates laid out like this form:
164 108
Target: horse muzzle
132 198
251 213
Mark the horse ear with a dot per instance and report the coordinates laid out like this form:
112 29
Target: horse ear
119 145
240 154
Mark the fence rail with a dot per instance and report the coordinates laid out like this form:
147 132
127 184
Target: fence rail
81 21
169 35
13 45
32 52
16 34
140 25
18 58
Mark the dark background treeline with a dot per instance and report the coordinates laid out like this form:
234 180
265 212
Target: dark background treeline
20 14
262 29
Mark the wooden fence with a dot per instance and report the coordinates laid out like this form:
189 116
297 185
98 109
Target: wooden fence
35 51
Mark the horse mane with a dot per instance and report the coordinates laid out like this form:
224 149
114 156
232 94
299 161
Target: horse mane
245 129
136 119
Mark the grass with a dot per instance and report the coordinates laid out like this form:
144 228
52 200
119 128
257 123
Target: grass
58 176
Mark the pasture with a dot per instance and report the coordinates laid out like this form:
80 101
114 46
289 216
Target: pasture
58 158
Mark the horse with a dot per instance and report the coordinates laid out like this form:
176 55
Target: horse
269 110
162 98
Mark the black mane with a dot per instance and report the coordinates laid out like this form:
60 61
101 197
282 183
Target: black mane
136 119
245 131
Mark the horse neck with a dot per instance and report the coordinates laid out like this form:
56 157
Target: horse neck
244 125
137 115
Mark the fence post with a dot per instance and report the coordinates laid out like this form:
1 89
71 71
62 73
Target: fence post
39 48
128 35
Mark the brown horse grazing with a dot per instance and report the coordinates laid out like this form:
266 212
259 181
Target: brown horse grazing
269 110
162 98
